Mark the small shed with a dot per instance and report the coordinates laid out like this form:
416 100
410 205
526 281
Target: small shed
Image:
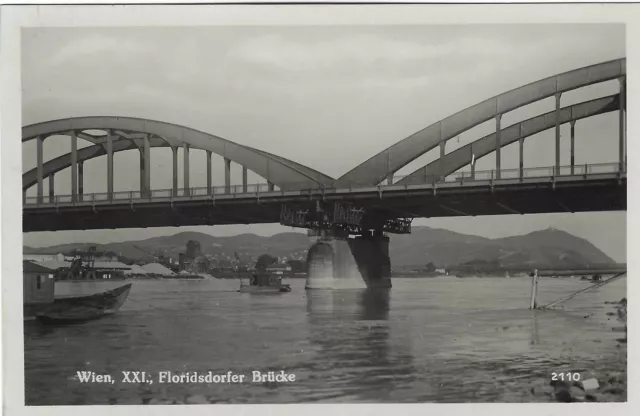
38 283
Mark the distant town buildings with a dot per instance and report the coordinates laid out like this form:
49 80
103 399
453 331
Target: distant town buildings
166 261
55 262
193 260
108 256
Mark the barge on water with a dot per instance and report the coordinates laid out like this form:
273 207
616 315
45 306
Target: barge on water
71 294
264 283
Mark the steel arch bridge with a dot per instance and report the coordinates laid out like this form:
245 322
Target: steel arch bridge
301 184
125 133
386 163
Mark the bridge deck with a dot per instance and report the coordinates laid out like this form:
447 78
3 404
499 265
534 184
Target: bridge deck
570 193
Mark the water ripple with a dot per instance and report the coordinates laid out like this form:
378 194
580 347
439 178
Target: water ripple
427 340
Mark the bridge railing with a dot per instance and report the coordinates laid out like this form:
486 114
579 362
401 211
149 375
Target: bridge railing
515 173
261 188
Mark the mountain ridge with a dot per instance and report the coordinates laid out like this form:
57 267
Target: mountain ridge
551 248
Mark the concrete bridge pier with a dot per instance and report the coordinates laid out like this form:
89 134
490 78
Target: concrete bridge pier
371 254
352 263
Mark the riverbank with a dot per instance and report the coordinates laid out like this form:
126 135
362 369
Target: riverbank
606 382
155 276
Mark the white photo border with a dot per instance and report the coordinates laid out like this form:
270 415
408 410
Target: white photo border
13 18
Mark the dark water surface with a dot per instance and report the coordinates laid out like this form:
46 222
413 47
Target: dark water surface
427 340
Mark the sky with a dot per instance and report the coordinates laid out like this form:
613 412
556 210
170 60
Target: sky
328 97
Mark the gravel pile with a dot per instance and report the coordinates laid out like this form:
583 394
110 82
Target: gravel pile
157 268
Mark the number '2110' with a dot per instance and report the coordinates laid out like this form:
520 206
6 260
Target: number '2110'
565 376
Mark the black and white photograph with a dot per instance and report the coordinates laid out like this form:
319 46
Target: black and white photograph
332 209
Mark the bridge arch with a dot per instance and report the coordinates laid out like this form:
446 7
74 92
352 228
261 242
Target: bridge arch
463 156
387 162
144 134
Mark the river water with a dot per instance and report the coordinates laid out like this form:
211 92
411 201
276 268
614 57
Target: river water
427 340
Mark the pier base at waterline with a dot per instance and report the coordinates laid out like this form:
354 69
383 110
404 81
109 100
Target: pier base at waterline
352 263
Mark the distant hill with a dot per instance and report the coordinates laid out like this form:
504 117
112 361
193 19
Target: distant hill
549 248
248 246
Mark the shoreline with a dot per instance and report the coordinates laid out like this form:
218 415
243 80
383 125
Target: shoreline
597 384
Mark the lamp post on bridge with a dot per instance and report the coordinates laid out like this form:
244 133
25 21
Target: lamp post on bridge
80 181
51 187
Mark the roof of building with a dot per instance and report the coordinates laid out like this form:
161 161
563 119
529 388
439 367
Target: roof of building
32 267
41 254
108 265
135 269
111 265
278 267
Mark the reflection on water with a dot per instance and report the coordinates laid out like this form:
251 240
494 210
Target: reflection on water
535 337
351 332
425 340
366 304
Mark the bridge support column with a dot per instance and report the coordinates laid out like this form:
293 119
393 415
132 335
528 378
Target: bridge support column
52 196
389 173
473 162
557 170
109 165
74 167
80 180
349 264
442 154
147 167
185 149
498 145
175 171
521 152
244 180
209 190
573 146
371 254
142 173
623 123
271 186
227 176
40 173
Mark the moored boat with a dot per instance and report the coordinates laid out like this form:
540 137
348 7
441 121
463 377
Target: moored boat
261 283
264 283
85 308
72 294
